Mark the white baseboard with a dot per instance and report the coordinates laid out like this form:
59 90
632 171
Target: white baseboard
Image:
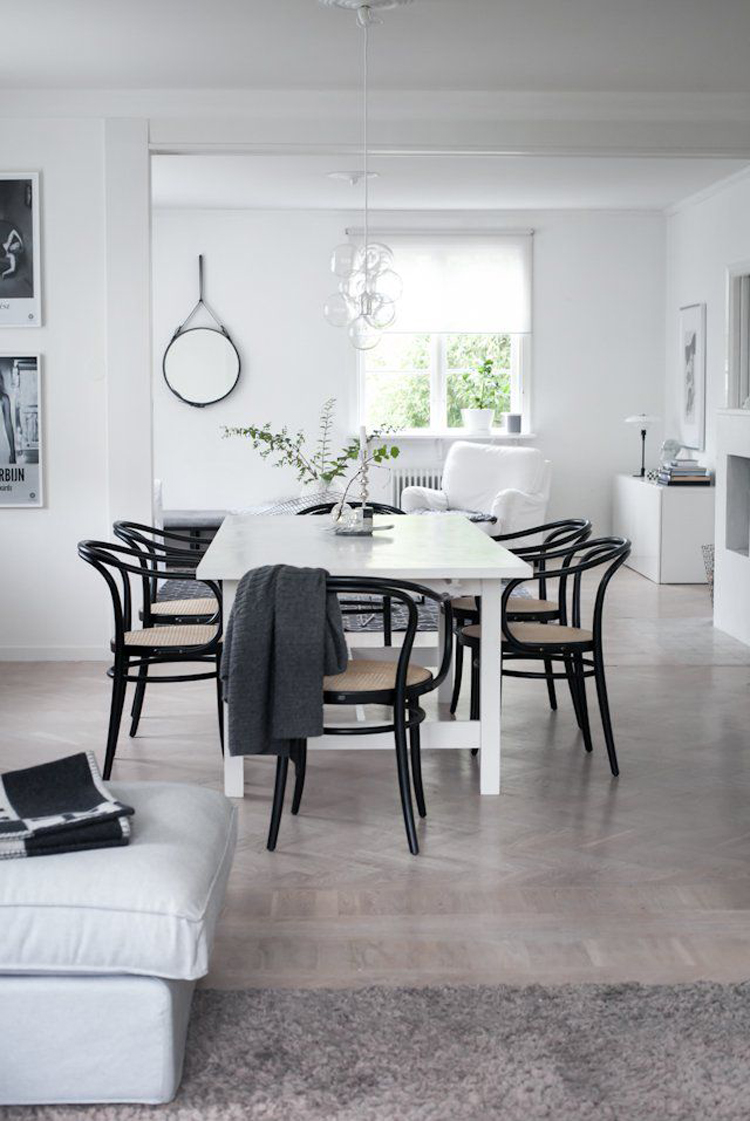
54 654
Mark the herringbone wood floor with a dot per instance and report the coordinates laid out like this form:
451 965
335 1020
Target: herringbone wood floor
567 876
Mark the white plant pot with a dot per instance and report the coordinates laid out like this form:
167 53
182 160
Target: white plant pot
477 420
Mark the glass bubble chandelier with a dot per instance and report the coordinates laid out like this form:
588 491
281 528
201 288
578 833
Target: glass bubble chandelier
368 285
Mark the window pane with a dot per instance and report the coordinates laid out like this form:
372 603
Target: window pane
400 352
466 352
398 400
467 391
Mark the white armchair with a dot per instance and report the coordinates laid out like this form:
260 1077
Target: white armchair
510 483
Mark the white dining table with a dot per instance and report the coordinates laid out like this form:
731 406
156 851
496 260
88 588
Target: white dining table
446 553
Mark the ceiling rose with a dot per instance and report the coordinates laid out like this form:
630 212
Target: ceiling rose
352 177
354 5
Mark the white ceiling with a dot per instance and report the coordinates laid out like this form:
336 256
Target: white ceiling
429 182
617 45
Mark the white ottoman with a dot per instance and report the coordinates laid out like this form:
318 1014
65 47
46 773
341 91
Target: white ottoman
100 951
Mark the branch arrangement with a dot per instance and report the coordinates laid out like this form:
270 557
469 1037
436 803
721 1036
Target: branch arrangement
321 465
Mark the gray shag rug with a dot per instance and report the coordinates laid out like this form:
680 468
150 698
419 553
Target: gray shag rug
573 1053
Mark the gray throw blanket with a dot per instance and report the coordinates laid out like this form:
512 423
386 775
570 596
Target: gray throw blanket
284 635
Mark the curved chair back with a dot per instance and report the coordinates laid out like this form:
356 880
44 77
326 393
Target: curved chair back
559 534
118 564
157 541
164 551
326 507
404 592
605 553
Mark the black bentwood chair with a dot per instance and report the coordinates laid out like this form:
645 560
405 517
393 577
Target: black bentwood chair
564 641
191 601
352 608
467 609
149 646
398 684
173 602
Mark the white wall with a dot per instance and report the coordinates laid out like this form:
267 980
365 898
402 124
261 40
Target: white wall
48 606
704 237
598 350
598 343
266 277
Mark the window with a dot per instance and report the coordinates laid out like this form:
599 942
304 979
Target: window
464 300
422 381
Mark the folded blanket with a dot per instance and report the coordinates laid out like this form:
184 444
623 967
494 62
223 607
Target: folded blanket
61 806
284 635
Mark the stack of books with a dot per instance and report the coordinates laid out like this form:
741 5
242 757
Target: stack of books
683 473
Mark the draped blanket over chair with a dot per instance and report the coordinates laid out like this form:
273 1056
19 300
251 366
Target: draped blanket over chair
284 635
511 484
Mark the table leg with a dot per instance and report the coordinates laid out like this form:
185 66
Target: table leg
234 765
489 687
445 689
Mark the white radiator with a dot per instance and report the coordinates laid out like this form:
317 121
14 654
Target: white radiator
414 477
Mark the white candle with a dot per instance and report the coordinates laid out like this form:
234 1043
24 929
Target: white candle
363 442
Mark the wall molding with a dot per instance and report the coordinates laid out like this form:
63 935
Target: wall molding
717 188
415 121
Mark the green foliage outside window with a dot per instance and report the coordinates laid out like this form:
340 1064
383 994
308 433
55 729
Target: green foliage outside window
398 377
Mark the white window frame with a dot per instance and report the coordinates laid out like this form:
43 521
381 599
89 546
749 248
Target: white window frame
438 375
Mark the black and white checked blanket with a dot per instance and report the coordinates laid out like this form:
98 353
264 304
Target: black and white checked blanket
59 807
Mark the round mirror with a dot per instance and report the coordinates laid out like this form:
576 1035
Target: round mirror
201 366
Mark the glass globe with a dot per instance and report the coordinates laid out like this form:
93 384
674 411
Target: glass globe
345 259
353 287
382 312
362 334
387 284
377 257
338 310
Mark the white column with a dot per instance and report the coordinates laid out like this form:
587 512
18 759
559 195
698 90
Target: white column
127 185
489 781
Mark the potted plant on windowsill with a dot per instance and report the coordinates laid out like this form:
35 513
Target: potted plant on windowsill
481 388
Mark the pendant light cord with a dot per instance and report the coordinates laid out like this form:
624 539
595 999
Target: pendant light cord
366 31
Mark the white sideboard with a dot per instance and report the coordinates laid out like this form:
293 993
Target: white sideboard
667 526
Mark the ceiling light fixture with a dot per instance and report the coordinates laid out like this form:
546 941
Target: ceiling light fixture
365 302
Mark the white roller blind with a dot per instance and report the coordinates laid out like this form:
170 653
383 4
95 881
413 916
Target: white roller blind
457 284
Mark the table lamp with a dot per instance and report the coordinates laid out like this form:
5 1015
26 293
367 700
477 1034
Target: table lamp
644 422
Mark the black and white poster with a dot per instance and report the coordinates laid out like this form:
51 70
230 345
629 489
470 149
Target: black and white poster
20 432
20 280
693 376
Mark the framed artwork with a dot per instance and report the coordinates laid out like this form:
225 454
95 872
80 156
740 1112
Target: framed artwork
692 373
20 431
20 269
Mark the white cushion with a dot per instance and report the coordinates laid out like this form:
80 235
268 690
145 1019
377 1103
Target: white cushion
474 474
149 907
